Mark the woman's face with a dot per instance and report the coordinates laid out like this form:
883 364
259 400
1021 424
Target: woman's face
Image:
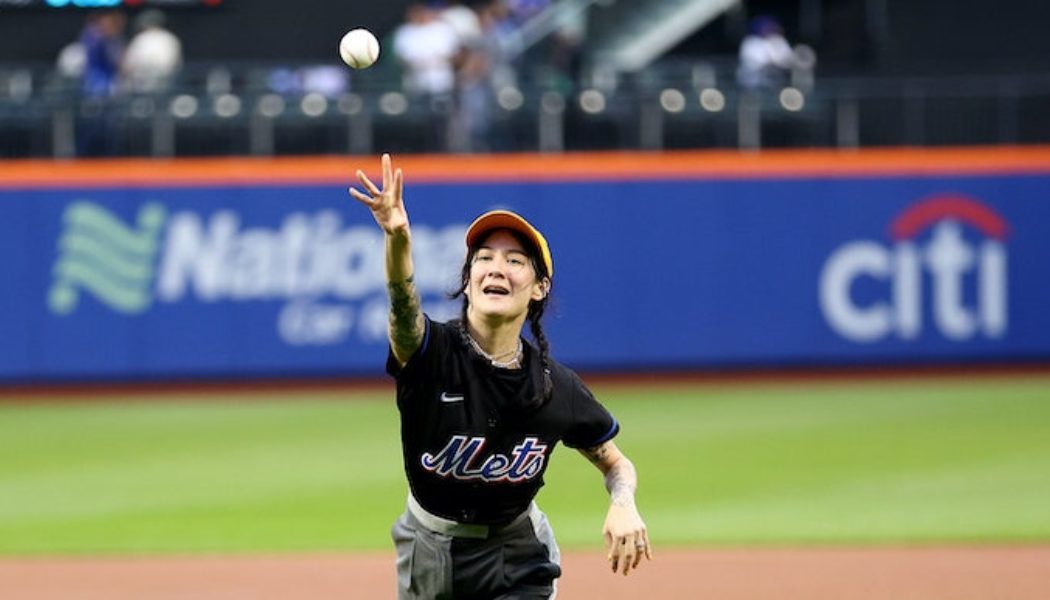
502 280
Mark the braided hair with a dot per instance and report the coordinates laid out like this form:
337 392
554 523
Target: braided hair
534 315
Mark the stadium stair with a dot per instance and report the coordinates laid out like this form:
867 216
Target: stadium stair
630 34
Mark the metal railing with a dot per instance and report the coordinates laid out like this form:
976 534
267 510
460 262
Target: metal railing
245 110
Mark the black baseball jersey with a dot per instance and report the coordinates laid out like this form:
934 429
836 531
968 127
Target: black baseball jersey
473 453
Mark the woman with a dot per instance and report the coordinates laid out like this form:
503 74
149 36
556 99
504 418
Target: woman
481 411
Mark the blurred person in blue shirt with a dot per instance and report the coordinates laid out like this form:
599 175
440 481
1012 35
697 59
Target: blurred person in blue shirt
102 42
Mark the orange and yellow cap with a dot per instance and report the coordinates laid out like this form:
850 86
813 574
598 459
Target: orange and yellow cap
505 219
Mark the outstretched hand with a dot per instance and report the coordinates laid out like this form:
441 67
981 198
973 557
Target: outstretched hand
387 204
626 538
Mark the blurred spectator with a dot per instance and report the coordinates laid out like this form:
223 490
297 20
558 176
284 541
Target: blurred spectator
565 52
102 40
328 80
523 10
71 60
426 46
464 20
154 54
499 40
766 58
478 59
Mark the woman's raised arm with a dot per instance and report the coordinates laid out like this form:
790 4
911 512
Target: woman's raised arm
388 209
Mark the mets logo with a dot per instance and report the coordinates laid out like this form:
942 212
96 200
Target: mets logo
948 247
461 459
101 255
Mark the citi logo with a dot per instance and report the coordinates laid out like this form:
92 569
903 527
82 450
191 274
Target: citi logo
967 278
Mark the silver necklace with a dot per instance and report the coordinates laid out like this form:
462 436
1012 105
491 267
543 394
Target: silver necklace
513 363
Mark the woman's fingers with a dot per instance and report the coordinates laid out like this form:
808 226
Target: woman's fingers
639 551
399 186
626 551
630 553
366 200
387 204
388 175
367 183
623 553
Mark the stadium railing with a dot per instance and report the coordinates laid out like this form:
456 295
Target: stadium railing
267 109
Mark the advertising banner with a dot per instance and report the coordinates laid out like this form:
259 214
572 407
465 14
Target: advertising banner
201 278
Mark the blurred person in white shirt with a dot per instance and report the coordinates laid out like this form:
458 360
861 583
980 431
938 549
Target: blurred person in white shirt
154 54
766 58
426 46
463 19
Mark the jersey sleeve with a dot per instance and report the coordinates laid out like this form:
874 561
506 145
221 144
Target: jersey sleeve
592 423
426 358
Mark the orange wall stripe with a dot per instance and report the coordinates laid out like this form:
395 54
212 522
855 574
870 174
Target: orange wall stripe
699 164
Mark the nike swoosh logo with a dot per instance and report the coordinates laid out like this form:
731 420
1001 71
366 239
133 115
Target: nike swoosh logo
446 397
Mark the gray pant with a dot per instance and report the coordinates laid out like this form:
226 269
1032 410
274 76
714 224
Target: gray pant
518 561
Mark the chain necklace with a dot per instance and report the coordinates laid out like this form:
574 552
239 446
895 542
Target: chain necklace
513 363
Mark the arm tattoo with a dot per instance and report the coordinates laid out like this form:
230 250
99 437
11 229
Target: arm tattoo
596 454
406 322
622 481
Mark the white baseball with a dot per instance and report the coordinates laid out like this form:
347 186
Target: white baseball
359 48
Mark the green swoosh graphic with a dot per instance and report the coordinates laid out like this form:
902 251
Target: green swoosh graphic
120 297
87 216
105 258
102 255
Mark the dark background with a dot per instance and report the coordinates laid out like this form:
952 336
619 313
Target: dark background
879 36
270 30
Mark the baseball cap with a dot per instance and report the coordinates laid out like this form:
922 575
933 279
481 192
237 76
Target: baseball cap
505 219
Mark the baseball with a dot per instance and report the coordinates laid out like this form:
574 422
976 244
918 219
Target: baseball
359 48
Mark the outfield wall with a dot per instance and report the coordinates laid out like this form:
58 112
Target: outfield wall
260 268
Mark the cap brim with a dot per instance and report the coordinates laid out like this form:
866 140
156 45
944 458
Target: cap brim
504 219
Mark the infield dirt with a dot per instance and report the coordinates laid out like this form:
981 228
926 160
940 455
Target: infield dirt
958 573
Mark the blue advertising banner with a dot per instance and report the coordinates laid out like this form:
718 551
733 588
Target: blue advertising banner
267 280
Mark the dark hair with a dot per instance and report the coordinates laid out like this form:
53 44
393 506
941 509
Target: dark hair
535 312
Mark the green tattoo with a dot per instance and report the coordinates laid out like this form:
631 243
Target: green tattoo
406 316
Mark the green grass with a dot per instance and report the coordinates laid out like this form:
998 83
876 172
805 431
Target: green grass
945 460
